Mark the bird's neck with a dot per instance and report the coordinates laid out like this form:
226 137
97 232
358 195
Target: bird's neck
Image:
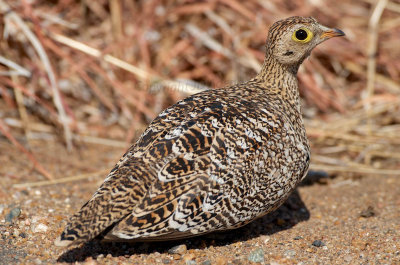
280 80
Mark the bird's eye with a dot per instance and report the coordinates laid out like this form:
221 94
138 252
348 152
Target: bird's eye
302 35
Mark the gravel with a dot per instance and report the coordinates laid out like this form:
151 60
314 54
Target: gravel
256 256
318 243
40 228
13 214
369 212
179 249
290 253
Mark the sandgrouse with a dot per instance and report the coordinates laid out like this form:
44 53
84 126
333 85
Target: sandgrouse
213 161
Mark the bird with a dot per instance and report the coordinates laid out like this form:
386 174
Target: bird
213 161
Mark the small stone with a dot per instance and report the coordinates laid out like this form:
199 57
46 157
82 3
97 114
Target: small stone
265 239
318 243
179 249
40 228
290 253
14 213
369 212
347 258
206 262
256 256
275 263
221 261
22 234
298 238
188 257
90 261
176 256
16 232
166 261
191 262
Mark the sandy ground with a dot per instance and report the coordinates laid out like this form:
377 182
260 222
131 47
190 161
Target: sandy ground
341 220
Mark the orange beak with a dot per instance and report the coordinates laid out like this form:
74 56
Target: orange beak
332 33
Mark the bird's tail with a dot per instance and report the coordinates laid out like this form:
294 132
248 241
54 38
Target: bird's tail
115 199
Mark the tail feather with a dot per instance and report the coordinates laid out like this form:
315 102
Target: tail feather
115 199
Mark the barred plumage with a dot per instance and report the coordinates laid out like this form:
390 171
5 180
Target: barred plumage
215 160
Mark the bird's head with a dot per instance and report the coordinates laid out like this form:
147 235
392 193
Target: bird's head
291 40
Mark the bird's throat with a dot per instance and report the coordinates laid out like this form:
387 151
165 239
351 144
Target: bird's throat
281 80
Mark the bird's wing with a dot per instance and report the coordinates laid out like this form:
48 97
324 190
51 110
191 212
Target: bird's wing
200 173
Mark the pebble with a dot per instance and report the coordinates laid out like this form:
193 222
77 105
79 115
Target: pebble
40 228
275 263
206 262
16 232
318 243
221 261
265 239
290 253
256 256
191 262
298 238
90 261
14 213
369 212
179 249
166 261
188 257
347 258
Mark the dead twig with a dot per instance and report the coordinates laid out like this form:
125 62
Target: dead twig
372 49
17 69
360 170
61 180
21 109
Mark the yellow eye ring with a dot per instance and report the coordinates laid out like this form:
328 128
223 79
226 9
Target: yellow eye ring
302 35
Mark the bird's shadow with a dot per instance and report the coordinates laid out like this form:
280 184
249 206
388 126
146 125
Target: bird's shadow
286 216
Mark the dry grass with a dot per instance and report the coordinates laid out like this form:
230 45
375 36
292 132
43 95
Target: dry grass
99 71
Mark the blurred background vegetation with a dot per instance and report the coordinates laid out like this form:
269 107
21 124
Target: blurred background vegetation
97 72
